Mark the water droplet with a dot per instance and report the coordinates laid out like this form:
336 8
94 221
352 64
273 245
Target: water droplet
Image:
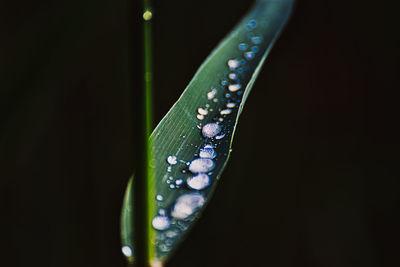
147 15
249 55
211 94
171 159
172 186
220 136
215 100
159 197
201 165
207 152
200 117
233 63
232 76
251 25
163 248
179 181
202 111
256 40
161 223
210 130
169 169
221 119
162 212
243 46
234 87
224 82
199 181
186 205
254 49
127 251
230 105
226 111
227 95
171 234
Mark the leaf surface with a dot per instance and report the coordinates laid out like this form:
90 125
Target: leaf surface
192 143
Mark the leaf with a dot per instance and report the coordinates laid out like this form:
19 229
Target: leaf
192 143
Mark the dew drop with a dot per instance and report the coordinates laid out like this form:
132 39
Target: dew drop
224 82
232 76
172 186
234 87
201 165
249 55
127 251
207 152
215 100
171 234
220 136
171 159
199 181
159 197
162 212
233 63
210 130
202 111
179 181
256 40
226 111
243 46
200 117
211 94
254 49
230 105
186 205
161 223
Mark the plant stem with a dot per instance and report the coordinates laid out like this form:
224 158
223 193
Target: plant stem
142 209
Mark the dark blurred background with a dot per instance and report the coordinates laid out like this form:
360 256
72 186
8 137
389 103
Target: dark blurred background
313 179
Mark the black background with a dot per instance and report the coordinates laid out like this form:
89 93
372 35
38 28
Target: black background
313 178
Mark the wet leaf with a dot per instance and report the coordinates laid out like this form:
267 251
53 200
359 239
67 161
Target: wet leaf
191 145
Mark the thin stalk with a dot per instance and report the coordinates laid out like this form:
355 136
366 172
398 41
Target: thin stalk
143 240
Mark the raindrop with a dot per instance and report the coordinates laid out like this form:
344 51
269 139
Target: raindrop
172 186
127 251
161 223
234 87
159 197
249 55
256 40
202 111
207 152
210 130
200 117
179 181
199 181
254 49
220 136
201 165
233 63
225 111
232 76
243 46
211 94
230 105
172 159
186 205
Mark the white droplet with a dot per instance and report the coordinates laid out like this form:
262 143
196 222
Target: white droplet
210 130
161 223
232 76
179 181
172 159
171 234
233 63
230 105
159 197
249 55
169 169
186 205
234 87
220 136
199 181
207 152
202 111
200 117
172 186
226 111
162 212
201 165
211 94
127 251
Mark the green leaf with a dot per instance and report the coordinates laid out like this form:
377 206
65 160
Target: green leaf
192 143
